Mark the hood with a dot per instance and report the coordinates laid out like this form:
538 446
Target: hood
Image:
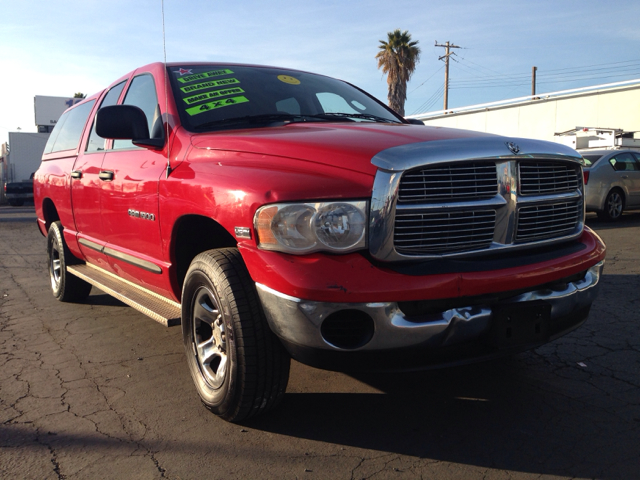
348 146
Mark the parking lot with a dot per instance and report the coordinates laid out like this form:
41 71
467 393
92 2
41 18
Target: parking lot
97 390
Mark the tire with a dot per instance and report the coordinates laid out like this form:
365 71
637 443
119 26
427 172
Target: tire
238 365
65 287
613 206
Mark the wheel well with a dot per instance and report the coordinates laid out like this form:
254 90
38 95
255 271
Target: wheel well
49 212
194 234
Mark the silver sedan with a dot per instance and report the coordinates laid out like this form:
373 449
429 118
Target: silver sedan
612 182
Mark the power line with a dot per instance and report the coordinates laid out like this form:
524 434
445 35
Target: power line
559 77
431 101
427 79
470 84
557 71
476 78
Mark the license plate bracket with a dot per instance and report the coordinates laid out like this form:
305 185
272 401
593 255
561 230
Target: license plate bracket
520 324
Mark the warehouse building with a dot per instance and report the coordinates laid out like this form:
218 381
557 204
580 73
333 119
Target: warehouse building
556 116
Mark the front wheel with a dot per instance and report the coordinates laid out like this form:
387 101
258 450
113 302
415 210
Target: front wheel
613 206
239 367
65 287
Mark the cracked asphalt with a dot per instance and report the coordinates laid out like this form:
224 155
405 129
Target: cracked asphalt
97 390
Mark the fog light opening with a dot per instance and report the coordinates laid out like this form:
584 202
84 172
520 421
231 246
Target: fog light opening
348 329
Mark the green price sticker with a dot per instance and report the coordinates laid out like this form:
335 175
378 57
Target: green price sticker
210 84
214 94
205 107
200 76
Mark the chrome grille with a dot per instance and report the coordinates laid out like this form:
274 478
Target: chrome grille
469 197
543 178
468 181
428 232
545 221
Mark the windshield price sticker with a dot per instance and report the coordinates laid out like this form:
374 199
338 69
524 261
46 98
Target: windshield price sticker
205 107
211 84
213 94
200 76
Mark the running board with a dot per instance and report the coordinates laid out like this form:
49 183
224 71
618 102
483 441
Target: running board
151 304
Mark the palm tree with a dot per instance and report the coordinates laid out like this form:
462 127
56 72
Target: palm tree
398 57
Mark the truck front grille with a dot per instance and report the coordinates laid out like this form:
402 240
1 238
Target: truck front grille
429 232
547 221
459 207
473 197
468 181
544 178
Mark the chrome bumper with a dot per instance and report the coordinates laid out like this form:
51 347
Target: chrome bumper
299 321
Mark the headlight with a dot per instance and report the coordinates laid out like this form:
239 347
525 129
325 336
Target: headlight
302 228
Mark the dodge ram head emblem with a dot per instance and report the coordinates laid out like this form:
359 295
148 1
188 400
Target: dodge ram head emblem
515 149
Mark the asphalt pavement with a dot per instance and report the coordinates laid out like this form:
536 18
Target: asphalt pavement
98 390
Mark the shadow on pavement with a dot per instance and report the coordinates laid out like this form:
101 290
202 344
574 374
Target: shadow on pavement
628 219
539 412
98 298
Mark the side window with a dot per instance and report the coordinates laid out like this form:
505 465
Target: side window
624 161
96 142
142 93
67 132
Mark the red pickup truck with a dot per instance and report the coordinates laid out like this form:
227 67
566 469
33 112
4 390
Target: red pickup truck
276 213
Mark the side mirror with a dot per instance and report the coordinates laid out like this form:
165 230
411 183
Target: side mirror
414 121
126 122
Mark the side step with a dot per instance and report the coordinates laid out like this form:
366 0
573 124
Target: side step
151 304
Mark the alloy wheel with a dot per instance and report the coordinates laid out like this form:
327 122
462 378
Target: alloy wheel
614 205
209 338
55 266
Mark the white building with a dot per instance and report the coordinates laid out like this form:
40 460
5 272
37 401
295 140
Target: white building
611 106
20 157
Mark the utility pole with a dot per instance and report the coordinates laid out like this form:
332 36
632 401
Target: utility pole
447 54
533 82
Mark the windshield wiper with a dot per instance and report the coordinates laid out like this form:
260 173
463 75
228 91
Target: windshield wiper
294 118
272 117
365 116
247 119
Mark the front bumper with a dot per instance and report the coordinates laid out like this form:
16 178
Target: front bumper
299 323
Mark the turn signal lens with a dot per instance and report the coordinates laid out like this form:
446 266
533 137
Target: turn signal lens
263 225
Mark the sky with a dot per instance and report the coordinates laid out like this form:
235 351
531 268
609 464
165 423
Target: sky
68 46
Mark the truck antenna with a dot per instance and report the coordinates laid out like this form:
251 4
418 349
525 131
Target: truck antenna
166 92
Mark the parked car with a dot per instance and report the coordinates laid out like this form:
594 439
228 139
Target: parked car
276 213
612 182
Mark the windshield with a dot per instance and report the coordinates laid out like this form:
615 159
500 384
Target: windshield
213 97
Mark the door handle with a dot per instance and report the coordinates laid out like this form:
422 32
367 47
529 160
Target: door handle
76 174
625 176
106 175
